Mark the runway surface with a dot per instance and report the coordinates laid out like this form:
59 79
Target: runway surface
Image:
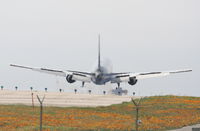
189 128
60 99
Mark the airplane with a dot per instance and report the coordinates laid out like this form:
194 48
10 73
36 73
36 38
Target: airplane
102 73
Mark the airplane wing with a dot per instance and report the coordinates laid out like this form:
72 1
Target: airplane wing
125 77
77 76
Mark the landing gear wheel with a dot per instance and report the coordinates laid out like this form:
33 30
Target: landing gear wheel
118 86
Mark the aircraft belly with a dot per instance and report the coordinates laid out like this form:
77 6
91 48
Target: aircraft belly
102 81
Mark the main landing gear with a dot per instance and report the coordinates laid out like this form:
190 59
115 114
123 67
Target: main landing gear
118 86
83 83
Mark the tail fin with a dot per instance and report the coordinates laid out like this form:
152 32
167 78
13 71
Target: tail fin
99 53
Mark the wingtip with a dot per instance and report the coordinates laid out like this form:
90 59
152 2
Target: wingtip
188 70
13 65
181 71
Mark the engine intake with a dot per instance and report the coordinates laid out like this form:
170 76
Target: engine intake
69 79
132 81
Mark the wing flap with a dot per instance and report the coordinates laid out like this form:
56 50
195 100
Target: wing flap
149 75
125 77
43 70
81 78
77 75
158 74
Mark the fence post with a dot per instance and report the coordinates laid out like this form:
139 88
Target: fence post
41 110
137 104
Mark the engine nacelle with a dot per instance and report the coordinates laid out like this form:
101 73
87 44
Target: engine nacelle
132 81
69 79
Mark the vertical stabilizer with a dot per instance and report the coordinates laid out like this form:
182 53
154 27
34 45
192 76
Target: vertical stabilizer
99 53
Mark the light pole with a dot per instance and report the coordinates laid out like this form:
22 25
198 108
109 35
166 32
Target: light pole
32 100
89 91
75 90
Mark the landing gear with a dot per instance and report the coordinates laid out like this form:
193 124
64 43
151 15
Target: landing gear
83 83
118 86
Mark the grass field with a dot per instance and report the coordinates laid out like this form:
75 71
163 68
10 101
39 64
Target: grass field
156 113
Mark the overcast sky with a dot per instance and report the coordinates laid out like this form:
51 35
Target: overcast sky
136 35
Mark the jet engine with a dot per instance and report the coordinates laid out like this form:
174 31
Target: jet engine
69 79
132 81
